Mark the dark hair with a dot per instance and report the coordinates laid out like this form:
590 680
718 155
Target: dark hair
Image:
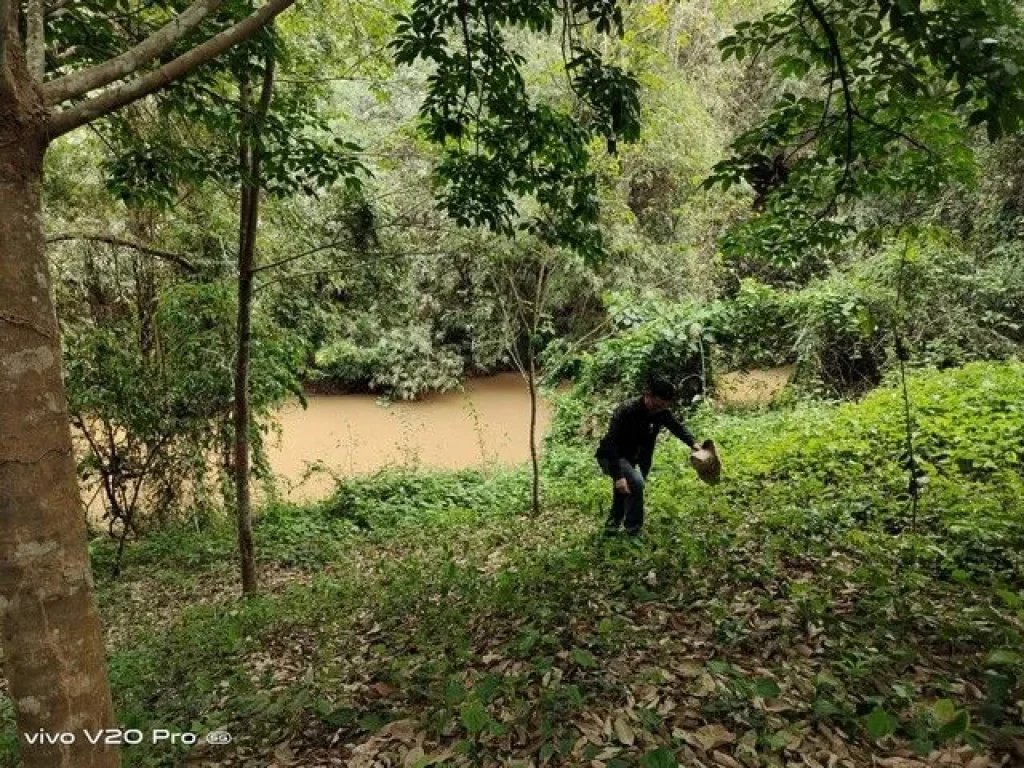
662 389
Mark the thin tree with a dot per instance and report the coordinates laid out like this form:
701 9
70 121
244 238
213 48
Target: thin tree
522 295
54 660
250 158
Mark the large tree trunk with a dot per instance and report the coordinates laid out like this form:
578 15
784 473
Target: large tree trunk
53 647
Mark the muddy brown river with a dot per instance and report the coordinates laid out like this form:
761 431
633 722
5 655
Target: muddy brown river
485 424
488 423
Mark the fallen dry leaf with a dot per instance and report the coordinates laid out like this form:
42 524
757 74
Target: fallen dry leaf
623 732
400 730
714 735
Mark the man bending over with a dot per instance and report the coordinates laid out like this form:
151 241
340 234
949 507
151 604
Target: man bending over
627 449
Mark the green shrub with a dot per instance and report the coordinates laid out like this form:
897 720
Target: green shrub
403 363
393 498
151 399
842 334
957 306
846 466
949 306
347 364
954 306
650 339
756 327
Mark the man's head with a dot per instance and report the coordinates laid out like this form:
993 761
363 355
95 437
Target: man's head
660 395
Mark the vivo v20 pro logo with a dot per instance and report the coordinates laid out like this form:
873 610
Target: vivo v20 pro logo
125 736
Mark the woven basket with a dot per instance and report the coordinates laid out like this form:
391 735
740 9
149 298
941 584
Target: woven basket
705 460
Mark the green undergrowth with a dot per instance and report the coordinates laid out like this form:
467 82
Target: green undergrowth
798 610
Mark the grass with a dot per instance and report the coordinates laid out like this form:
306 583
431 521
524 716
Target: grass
794 614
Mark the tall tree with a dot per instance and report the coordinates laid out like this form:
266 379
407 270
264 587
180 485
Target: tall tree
263 136
53 647
252 115
511 162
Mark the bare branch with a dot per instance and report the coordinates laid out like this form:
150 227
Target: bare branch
121 242
52 9
115 98
381 258
80 83
302 254
35 39
59 57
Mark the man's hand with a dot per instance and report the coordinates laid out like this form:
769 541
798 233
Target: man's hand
622 486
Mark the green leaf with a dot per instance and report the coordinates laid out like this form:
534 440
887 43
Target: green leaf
922 747
1003 657
659 758
546 751
944 710
766 688
488 687
474 717
880 723
957 726
583 657
454 692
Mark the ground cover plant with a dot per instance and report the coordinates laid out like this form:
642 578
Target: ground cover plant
796 612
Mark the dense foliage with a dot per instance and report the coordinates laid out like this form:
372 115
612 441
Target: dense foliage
429 603
599 193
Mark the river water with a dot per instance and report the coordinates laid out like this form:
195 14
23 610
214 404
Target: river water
486 424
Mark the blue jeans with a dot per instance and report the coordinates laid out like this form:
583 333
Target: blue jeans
627 508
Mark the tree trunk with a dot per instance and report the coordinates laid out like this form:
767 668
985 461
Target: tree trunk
531 380
53 645
531 363
246 238
250 157
243 496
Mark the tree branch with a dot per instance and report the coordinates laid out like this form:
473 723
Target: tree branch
35 39
80 83
300 255
894 132
52 9
121 242
839 65
267 89
115 98
383 258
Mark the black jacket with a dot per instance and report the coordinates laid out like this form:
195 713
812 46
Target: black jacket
632 433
